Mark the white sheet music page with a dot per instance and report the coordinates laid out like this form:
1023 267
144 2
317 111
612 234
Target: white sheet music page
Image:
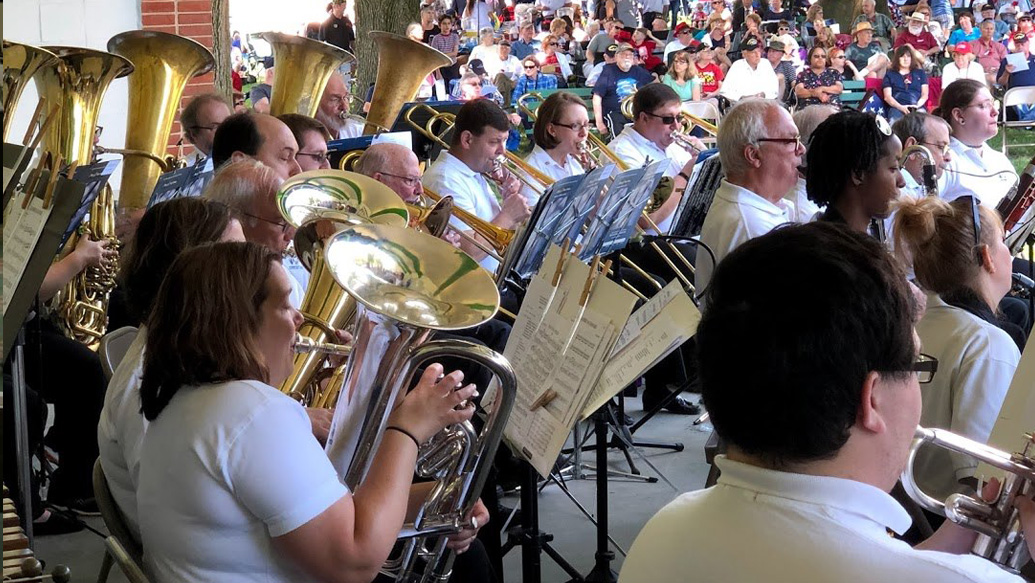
665 326
22 229
1017 415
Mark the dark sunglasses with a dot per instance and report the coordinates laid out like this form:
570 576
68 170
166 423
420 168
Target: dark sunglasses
530 66
665 119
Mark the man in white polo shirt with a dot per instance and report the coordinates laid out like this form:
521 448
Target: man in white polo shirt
750 76
760 150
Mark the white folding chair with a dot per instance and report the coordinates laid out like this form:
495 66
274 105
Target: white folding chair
1016 96
705 110
113 348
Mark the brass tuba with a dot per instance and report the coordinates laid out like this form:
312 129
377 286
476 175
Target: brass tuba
21 62
77 81
1000 538
395 86
407 284
164 64
319 203
301 68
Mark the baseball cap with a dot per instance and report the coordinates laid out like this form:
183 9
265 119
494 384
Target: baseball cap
694 46
476 66
681 27
987 7
622 47
777 45
750 44
611 50
504 41
962 48
1020 37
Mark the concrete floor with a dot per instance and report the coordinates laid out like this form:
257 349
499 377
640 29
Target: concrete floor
631 504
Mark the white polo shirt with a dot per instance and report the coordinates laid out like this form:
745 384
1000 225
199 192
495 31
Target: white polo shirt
764 526
976 363
805 210
541 161
449 176
636 151
983 161
741 80
736 216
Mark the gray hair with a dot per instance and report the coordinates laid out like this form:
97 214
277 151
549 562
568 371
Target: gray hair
914 125
414 29
243 186
373 160
808 118
743 124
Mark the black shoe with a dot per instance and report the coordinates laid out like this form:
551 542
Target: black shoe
80 506
55 523
681 406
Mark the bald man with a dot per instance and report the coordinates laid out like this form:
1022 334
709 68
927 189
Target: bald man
258 136
334 104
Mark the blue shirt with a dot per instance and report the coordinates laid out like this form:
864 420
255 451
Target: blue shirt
941 8
613 85
521 49
1019 78
1001 30
958 36
905 89
526 84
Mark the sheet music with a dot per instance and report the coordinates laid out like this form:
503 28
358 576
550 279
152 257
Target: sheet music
663 331
22 230
647 312
1017 415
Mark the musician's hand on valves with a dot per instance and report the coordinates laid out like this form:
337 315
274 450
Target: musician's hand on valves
452 237
434 404
92 253
477 518
320 419
515 208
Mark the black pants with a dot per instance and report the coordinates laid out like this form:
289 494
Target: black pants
67 374
37 417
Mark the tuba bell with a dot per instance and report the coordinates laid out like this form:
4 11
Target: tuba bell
78 80
408 284
301 68
164 64
21 62
395 86
1000 538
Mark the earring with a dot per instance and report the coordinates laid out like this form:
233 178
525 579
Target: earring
963 122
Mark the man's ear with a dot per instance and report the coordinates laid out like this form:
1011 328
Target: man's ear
872 404
751 155
466 139
910 141
238 155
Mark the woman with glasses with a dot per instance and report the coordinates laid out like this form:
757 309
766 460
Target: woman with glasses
959 258
905 84
233 487
682 77
553 62
975 167
817 83
531 80
561 127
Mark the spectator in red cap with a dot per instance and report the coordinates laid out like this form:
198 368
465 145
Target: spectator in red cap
963 65
684 36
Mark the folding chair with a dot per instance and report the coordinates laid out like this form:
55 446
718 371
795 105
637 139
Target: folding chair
1016 96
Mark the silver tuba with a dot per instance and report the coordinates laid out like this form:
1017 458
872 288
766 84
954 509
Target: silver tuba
408 284
1000 538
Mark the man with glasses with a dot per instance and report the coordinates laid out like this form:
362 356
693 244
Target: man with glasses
199 120
334 110
751 76
812 377
312 138
531 80
616 82
931 132
760 150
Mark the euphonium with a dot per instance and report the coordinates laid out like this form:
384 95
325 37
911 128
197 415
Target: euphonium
319 203
164 64
395 86
408 284
77 81
1000 538
21 62
930 170
301 68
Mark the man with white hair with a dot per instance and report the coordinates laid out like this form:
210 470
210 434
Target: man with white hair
760 150
334 110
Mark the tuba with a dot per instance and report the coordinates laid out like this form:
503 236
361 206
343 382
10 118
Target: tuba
408 284
395 86
1000 538
21 62
77 81
301 68
319 203
164 64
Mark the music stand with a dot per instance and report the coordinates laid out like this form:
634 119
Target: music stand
424 147
170 185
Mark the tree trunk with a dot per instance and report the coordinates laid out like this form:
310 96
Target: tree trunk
221 47
387 15
845 11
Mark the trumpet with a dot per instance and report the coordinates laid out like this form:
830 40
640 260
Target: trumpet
684 142
1000 538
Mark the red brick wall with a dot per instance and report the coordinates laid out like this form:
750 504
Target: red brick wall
189 18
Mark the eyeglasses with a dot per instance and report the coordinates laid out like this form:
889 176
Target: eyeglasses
210 127
342 99
925 367
282 224
819 55
319 157
409 181
837 57
796 141
530 66
575 127
942 149
783 28
683 32
995 105
665 119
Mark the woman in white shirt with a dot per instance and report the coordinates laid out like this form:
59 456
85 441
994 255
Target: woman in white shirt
561 127
963 66
959 257
975 167
233 486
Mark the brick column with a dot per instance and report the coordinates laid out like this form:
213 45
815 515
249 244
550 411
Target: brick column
187 18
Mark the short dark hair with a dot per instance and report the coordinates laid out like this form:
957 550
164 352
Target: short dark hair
911 125
300 124
846 144
238 133
189 115
652 96
782 365
477 114
205 320
165 230
551 111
